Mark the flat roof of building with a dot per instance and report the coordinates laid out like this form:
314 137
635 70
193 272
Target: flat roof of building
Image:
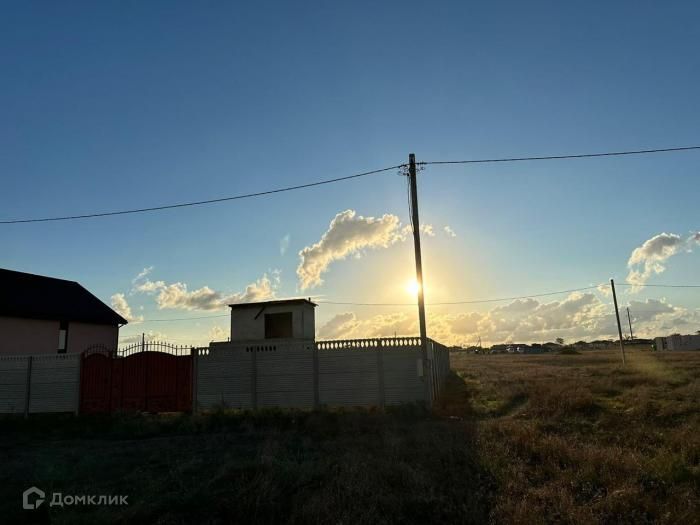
278 302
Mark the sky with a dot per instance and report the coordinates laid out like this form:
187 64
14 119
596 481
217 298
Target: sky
116 105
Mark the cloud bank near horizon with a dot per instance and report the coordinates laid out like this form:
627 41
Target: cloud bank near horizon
578 316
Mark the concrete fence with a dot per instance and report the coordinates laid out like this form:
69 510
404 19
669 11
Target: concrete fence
39 383
284 373
294 374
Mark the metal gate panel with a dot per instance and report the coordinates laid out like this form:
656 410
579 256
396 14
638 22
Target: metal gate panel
144 381
95 379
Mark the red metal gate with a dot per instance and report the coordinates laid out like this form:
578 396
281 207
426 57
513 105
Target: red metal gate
146 381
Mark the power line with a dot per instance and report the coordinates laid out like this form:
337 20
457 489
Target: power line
476 301
200 203
382 304
339 179
662 285
137 321
561 157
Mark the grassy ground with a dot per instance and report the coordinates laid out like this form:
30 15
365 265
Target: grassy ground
517 439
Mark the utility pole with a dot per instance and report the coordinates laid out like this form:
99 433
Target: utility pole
617 315
629 320
419 273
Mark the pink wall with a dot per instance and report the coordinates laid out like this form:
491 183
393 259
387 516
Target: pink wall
82 335
28 336
31 336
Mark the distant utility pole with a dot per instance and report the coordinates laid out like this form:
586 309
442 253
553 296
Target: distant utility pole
419 271
629 320
617 315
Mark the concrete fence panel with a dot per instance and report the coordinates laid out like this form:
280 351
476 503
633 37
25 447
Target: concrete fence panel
224 377
348 377
55 383
402 383
13 384
39 383
285 375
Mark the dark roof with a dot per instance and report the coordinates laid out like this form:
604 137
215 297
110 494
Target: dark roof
38 297
278 302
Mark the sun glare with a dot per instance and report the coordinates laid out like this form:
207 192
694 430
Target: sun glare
412 287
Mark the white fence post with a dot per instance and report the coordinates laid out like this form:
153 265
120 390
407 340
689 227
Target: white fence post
380 374
315 381
193 370
28 388
254 379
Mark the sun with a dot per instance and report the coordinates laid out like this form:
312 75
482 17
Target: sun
412 287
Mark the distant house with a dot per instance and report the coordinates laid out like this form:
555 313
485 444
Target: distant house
44 315
678 342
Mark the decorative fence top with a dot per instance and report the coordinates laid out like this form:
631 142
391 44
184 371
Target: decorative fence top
359 344
405 343
141 346
154 346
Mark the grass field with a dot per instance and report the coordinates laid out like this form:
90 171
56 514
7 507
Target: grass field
516 439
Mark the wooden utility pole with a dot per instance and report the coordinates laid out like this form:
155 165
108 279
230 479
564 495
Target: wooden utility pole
419 273
617 315
629 320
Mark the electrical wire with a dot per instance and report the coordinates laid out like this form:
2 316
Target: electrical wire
476 301
661 285
561 157
200 203
179 319
339 179
383 304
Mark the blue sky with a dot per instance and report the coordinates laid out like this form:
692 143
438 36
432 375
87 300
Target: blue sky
119 105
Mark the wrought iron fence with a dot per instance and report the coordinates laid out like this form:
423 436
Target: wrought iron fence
154 346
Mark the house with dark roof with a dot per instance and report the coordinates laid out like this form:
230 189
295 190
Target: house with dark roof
45 315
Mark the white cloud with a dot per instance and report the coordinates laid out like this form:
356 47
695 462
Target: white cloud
650 258
449 231
339 326
348 234
178 296
218 333
426 229
143 273
121 306
284 244
604 288
148 336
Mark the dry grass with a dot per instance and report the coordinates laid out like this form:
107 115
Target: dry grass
580 439
516 439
